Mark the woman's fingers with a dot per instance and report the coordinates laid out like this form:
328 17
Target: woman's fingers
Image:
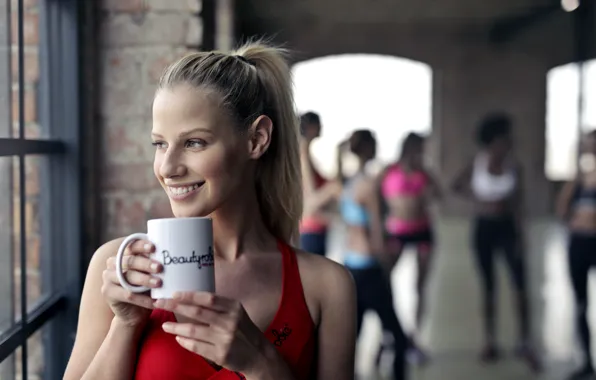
208 300
140 247
215 319
115 292
136 262
133 278
192 331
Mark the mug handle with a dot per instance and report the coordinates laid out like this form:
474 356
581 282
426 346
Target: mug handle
125 284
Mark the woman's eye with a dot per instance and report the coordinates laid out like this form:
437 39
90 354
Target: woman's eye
158 144
195 143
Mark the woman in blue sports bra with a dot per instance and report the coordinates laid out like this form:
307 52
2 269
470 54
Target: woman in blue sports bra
359 206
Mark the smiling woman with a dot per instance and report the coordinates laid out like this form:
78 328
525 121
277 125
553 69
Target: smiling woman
200 167
226 140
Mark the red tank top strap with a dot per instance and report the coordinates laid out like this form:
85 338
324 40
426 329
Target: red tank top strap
293 330
292 288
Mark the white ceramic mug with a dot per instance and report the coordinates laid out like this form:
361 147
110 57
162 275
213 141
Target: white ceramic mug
184 246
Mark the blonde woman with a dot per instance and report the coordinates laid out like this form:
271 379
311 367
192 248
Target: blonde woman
224 125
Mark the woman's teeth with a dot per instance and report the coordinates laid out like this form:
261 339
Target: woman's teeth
183 190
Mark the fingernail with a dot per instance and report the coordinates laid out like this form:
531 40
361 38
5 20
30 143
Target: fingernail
154 281
155 267
176 295
167 326
147 247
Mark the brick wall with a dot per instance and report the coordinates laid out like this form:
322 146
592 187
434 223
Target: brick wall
137 40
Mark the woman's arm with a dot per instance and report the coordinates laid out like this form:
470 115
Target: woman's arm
339 162
564 199
435 188
370 198
308 182
519 203
461 184
337 327
315 198
104 348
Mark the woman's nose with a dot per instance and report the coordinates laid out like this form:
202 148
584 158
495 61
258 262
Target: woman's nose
172 165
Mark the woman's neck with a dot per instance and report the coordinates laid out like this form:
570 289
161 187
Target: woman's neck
496 161
361 164
238 228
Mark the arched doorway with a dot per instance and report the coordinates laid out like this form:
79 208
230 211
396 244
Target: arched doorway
389 95
392 97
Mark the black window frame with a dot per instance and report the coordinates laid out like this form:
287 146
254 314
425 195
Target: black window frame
61 255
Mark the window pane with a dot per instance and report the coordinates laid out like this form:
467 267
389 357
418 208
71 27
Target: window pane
36 252
7 165
35 365
5 91
562 132
30 68
8 368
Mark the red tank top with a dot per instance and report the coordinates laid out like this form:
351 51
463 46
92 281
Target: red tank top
292 332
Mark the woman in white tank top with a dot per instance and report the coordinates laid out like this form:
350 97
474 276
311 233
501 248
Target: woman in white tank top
493 182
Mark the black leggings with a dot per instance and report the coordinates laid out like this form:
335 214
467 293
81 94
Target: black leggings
373 291
582 256
492 234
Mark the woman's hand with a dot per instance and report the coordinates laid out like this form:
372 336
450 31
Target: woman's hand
219 330
133 309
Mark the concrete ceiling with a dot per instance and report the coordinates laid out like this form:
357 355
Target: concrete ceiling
396 11
426 30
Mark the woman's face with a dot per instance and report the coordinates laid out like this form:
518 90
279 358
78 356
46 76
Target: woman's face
201 160
418 155
312 131
370 151
501 146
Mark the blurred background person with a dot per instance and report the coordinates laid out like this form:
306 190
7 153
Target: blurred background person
360 211
407 190
576 205
493 180
318 191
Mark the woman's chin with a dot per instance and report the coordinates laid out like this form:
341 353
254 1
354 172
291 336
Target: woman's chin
189 212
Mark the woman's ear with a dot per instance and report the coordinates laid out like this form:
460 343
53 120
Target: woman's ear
260 133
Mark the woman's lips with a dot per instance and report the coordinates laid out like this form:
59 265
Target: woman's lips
182 192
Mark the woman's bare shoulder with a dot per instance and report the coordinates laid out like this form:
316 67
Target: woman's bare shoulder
325 282
104 252
317 265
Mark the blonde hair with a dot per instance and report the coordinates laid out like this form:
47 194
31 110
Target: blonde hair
252 81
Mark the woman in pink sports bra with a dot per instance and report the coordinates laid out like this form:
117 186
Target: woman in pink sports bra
407 188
